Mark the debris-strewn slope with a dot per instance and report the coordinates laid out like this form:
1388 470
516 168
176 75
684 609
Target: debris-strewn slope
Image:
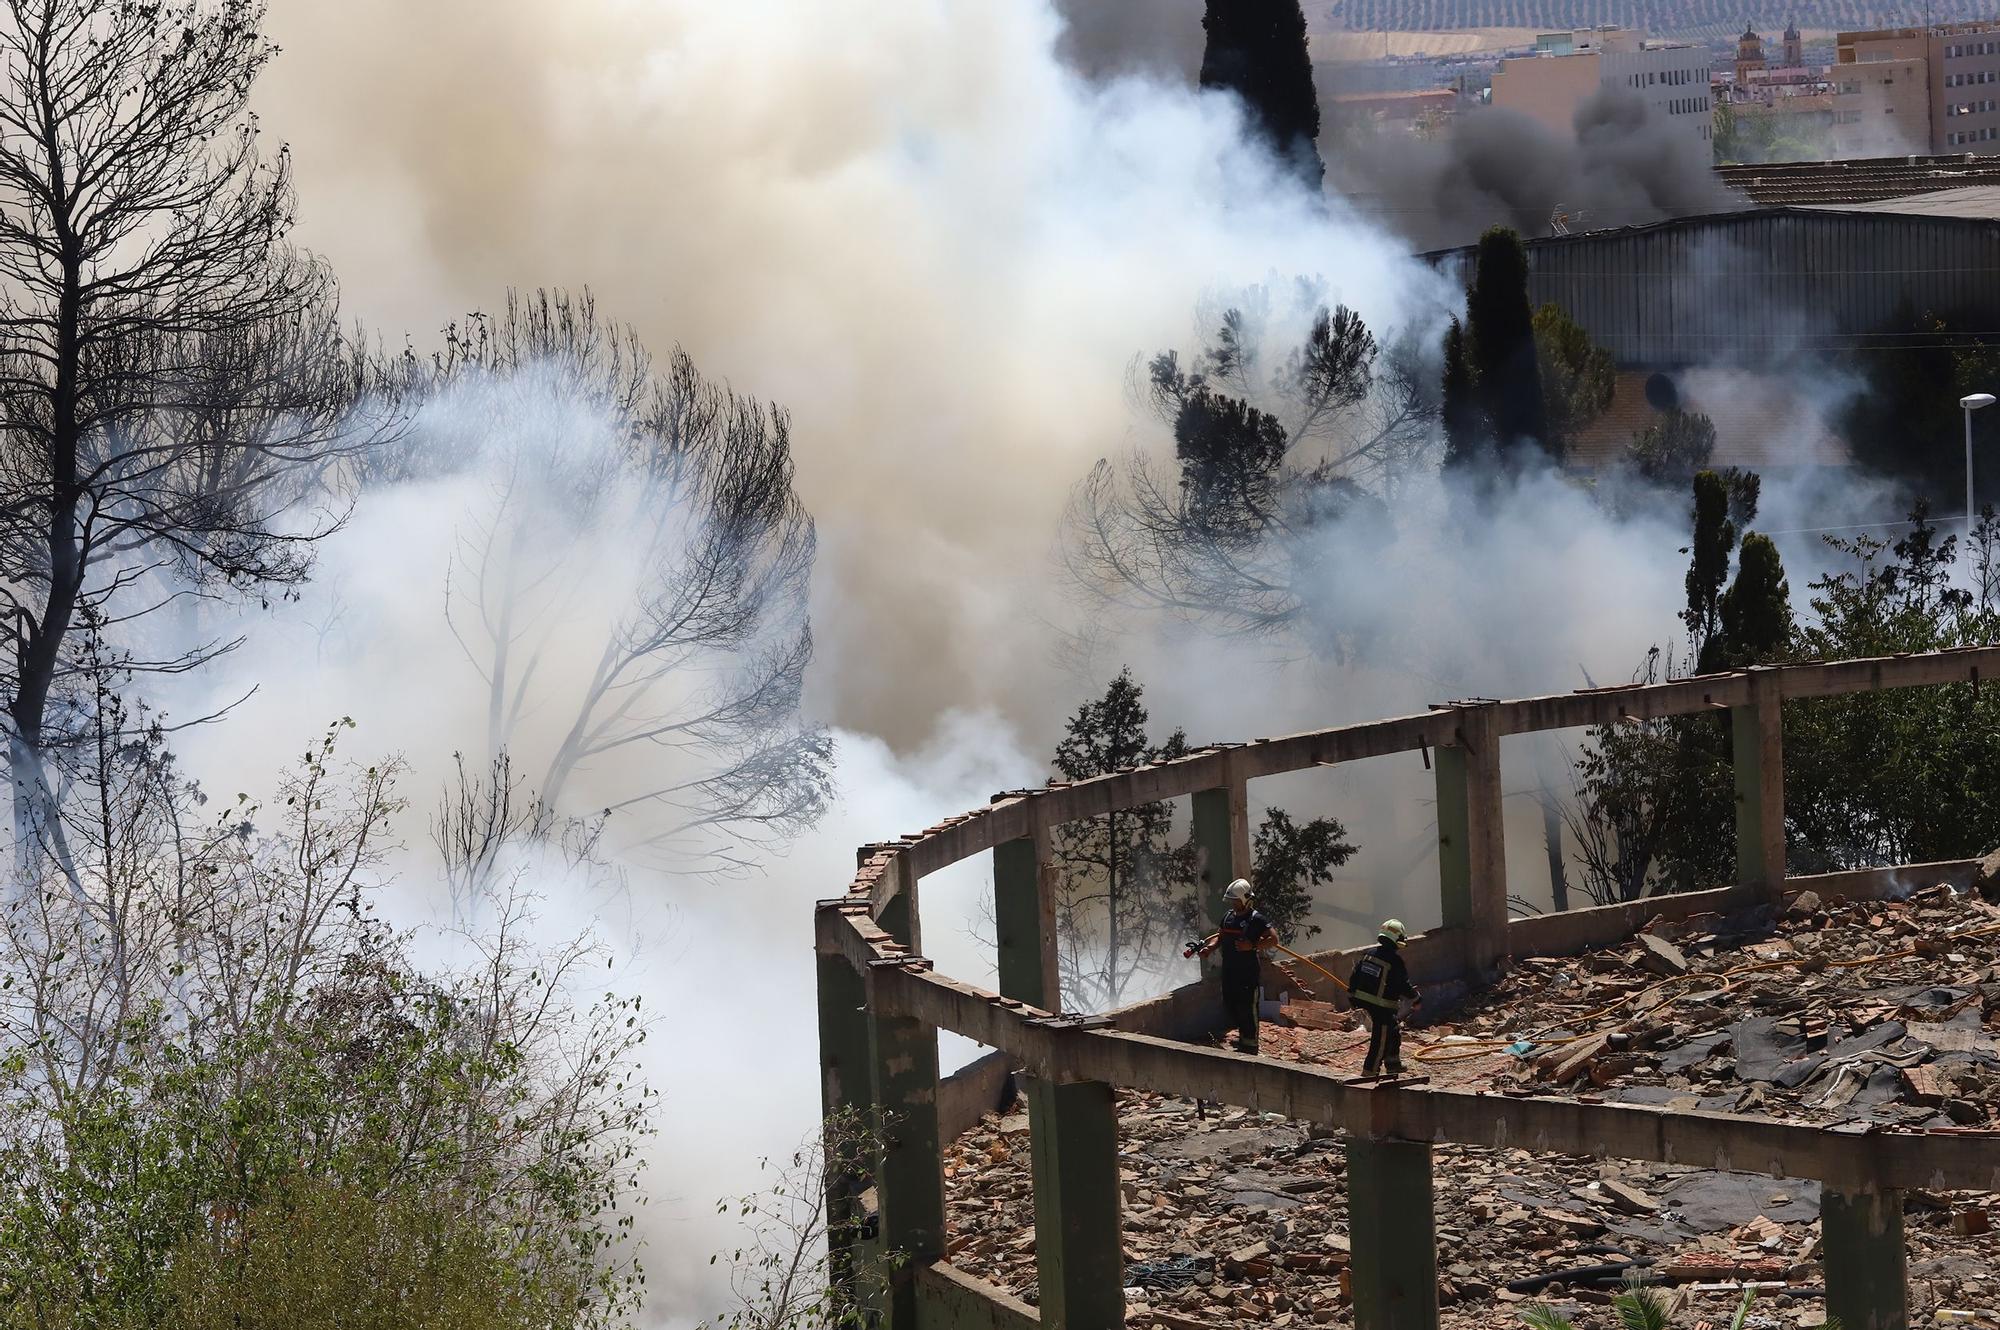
1875 1012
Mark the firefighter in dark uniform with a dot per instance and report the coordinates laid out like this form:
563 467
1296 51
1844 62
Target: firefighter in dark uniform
1378 986
1244 936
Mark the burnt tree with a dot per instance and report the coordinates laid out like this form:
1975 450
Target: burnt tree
172 375
631 584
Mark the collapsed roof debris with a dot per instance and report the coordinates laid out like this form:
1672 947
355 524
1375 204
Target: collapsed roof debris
1867 1014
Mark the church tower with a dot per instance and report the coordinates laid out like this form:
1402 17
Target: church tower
1795 47
1749 56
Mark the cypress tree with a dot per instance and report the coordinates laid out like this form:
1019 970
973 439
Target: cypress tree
1708 569
1500 325
1459 407
1257 50
1757 608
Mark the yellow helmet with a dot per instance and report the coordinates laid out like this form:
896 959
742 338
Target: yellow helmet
1393 932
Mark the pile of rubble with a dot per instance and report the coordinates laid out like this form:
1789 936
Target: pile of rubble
1873 1012
1233 1217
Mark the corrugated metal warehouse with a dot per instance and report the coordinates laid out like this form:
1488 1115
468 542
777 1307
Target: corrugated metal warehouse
1763 284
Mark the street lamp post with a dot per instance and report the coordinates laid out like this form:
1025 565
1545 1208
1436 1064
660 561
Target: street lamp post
1971 403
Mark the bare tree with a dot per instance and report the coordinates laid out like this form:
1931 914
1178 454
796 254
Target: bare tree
172 376
1269 459
635 584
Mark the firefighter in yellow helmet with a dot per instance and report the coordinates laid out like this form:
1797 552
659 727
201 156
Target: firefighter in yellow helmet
1378 986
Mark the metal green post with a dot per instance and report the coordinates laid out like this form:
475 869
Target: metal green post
1758 749
1072 1129
909 1167
1392 1228
1866 1263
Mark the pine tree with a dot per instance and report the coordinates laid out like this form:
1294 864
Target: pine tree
1500 329
1292 859
1125 884
1257 49
1464 434
1577 375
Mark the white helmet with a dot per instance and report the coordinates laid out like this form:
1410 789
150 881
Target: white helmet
1239 890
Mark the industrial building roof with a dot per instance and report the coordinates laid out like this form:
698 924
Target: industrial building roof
1981 201
1860 180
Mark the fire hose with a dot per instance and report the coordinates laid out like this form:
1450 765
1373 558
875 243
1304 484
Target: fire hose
1198 944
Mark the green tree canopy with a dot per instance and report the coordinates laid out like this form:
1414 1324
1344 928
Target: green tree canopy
1292 859
1673 448
1577 376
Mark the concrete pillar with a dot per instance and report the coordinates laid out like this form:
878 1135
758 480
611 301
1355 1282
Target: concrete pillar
846 1092
1079 1248
909 1167
1024 913
1758 746
1867 1271
1472 848
1393 1232
1221 830
1072 1129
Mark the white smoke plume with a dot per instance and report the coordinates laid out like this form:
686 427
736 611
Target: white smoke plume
917 228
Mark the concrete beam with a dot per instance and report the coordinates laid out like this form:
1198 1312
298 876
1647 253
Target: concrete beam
1757 743
1624 702
1391 1226
1079 1252
1011 819
1917 670
1866 1260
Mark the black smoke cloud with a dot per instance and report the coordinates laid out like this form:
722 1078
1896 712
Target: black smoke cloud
1626 166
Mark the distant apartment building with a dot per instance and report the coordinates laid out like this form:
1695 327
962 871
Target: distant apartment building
1916 90
1566 68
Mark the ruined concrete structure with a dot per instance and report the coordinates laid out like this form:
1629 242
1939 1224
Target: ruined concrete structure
881 1005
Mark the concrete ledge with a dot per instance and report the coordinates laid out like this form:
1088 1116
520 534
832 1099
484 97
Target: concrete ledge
1575 931
1888 883
971 1092
950 1299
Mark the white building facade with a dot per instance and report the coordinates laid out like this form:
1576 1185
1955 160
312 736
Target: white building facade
1567 68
